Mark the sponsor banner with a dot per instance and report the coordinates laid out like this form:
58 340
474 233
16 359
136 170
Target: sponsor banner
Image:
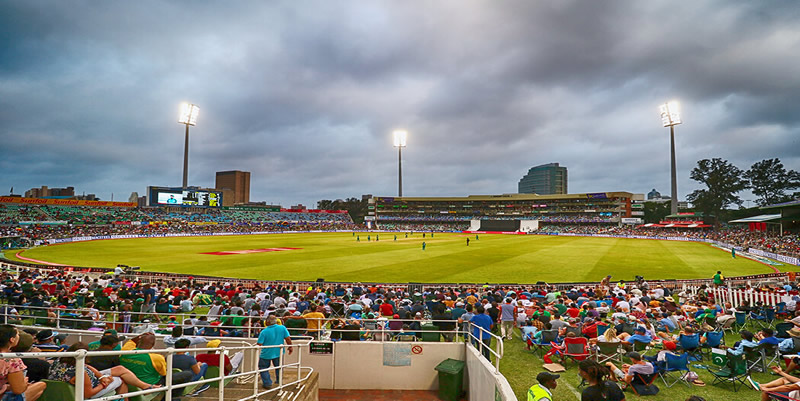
64 202
599 195
781 258
637 213
35 222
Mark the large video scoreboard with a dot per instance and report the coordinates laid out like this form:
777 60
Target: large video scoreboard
166 196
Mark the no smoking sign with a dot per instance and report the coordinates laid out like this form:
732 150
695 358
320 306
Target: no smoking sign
416 350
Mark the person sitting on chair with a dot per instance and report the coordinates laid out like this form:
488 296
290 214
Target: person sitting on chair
782 386
628 372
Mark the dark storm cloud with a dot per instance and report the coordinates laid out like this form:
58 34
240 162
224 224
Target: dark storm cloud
306 95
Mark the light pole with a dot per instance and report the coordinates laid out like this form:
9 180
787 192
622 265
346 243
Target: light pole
670 117
400 143
188 117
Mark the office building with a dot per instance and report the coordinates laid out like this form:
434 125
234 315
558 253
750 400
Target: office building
547 179
235 186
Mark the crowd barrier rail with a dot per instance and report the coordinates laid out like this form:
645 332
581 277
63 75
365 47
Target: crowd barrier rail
253 371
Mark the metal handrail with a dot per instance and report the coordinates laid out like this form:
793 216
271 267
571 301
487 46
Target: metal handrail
81 355
498 354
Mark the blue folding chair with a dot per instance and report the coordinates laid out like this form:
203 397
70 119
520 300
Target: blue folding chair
713 340
691 345
741 320
675 369
601 329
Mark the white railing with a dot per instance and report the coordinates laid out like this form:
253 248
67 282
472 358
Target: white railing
738 296
481 346
254 372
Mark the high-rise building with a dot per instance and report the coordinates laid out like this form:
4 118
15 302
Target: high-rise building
235 185
654 194
547 179
45 192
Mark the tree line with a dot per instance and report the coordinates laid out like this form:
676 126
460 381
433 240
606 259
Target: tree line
768 179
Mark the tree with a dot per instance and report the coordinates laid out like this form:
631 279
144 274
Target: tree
769 180
723 181
654 212
356 207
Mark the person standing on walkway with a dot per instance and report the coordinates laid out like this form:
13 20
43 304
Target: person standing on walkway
508 313
273 334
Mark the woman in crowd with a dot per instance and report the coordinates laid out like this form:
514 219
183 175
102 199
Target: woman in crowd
598 388
13 383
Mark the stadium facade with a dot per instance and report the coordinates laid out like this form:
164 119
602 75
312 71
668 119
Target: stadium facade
602 207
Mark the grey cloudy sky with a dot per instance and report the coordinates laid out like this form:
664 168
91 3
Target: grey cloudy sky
305 94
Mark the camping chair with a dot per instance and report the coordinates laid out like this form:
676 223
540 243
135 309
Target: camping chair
629 328
727 325
691 345
576 349
780 310
741 320
406 337
641 347
544 344
735 370
765 318
574 330
601 329
337 309
754 357
608 352
782 329
713 340
771 355
676 369
643 384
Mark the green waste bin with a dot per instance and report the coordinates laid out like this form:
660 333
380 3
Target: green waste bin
451 377
429 332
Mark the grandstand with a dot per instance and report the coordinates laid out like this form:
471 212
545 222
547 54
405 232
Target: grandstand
605 208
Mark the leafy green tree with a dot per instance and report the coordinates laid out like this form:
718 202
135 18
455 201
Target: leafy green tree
769 180
723 181
356 207
655 212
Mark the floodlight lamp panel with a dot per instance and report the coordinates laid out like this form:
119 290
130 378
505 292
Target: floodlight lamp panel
400 138
188 114
670 114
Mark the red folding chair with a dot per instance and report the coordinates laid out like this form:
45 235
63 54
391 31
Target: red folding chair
576 349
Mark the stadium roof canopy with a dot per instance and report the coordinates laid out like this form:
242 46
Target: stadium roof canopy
762 218
676 225
794 203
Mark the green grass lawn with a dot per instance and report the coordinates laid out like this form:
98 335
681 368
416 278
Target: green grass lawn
446 259
520 368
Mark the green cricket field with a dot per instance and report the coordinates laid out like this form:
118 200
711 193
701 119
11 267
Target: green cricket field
380 257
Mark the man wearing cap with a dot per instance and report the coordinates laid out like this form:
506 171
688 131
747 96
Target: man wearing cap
273 334
45 341
639 336
542 390
628 372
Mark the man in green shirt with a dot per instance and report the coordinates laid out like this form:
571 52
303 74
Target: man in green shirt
152 368
719 280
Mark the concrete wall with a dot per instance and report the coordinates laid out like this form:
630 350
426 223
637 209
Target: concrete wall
360 365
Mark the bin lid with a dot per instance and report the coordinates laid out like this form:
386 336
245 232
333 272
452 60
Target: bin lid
452 366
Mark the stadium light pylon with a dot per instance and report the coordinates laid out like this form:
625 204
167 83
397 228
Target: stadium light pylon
400 142
670 117
187 117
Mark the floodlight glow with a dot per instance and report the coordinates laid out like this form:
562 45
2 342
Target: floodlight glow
670 114
400 139
188 114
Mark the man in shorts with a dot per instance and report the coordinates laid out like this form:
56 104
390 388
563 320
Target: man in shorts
628 372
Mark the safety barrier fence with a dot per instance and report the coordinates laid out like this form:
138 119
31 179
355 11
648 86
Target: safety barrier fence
252 372
738 296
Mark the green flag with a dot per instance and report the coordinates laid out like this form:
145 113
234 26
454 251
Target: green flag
719 357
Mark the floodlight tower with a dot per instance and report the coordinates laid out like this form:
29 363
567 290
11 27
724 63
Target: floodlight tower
187 117
400 143
670 117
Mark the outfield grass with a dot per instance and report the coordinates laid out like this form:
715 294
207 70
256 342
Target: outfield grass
446 259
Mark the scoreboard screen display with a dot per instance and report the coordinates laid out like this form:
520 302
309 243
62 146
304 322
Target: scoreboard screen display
179 197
